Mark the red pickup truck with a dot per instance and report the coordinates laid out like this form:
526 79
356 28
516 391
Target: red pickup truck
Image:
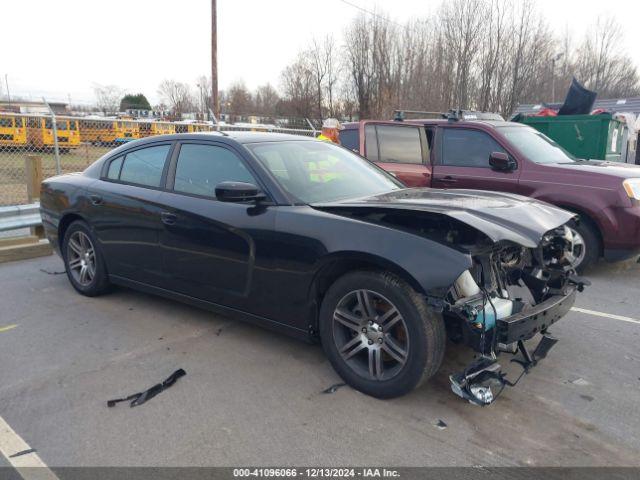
511 157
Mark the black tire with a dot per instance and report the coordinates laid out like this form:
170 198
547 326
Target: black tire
589 234
99 281
424 334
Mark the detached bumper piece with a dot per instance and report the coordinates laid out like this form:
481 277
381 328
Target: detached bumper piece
525 324
482 382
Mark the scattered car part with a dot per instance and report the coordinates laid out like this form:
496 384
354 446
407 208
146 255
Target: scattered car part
142 397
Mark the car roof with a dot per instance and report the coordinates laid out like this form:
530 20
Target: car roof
241 137
434 121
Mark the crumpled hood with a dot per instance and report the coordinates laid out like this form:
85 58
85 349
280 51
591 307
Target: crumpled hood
500 216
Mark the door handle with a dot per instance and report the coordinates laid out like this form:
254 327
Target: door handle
168 218
448 179
96 200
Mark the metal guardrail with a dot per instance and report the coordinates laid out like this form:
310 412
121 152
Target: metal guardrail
20 216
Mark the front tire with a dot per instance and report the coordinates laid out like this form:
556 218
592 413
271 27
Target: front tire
586 245
83 260
379 334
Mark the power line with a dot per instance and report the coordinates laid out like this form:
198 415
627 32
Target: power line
384 19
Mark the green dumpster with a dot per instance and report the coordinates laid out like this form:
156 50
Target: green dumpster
598 137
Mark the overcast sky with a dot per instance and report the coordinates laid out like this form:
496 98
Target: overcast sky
62 48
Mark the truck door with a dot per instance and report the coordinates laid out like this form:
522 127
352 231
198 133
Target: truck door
462 161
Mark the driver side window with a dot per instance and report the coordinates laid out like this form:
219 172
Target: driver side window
467 148
201 167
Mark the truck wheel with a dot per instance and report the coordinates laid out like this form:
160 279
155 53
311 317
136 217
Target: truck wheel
586 245
379 334
83 260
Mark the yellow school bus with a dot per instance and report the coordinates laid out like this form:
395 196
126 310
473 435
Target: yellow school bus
13 131
188 127
126 130
97 131
148 129
40 133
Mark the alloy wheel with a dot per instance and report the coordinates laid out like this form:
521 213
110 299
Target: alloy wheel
370 334
577 250
81 258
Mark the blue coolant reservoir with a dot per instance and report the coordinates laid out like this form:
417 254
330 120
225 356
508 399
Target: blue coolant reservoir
503 308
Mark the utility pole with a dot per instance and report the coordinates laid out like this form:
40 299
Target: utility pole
215 102
6 81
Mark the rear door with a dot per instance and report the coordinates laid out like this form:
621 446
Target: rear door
462 161
210 247
125 212
402 150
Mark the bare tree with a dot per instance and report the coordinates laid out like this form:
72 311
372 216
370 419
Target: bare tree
239 99
177 96
108 98
600 65
298 88
266 100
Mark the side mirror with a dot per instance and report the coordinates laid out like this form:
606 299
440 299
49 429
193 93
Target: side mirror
238 192
501 162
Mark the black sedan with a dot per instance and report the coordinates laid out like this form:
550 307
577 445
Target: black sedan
310 239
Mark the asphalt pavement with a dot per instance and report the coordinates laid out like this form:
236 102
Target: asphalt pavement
253 397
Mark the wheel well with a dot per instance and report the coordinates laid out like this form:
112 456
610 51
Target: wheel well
586 218
64 224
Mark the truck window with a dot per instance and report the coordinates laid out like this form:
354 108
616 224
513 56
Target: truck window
350 139
399 144
370 143
467 148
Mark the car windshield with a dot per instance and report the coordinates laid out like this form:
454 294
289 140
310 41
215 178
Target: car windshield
318 172
536 146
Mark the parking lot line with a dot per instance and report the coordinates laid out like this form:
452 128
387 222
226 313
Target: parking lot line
606 315
8 327
21 456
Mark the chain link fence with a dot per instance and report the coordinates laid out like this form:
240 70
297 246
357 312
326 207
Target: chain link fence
70 144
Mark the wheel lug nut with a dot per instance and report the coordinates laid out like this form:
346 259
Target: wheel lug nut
370 342
380 340
364 329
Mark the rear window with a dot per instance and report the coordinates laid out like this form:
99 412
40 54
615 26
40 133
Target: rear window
399 144
144 166
350 139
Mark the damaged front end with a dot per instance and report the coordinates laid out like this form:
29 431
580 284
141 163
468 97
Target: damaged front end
510 294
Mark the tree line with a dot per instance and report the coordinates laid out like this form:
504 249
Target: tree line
488 55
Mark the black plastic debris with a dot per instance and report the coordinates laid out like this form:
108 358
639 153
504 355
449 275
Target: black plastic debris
23 452
142 397
440 425
49 272
333 388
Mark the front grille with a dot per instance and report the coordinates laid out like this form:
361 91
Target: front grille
6 136
63 139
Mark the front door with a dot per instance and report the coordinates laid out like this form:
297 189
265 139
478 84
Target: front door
463 162
210 247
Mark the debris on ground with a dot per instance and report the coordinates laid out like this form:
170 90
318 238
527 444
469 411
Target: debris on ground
581 382
588 398
23 452
48 272
333 388
440 425
142 397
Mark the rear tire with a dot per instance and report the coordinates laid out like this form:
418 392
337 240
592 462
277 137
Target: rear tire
588 235
385 349
83 260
